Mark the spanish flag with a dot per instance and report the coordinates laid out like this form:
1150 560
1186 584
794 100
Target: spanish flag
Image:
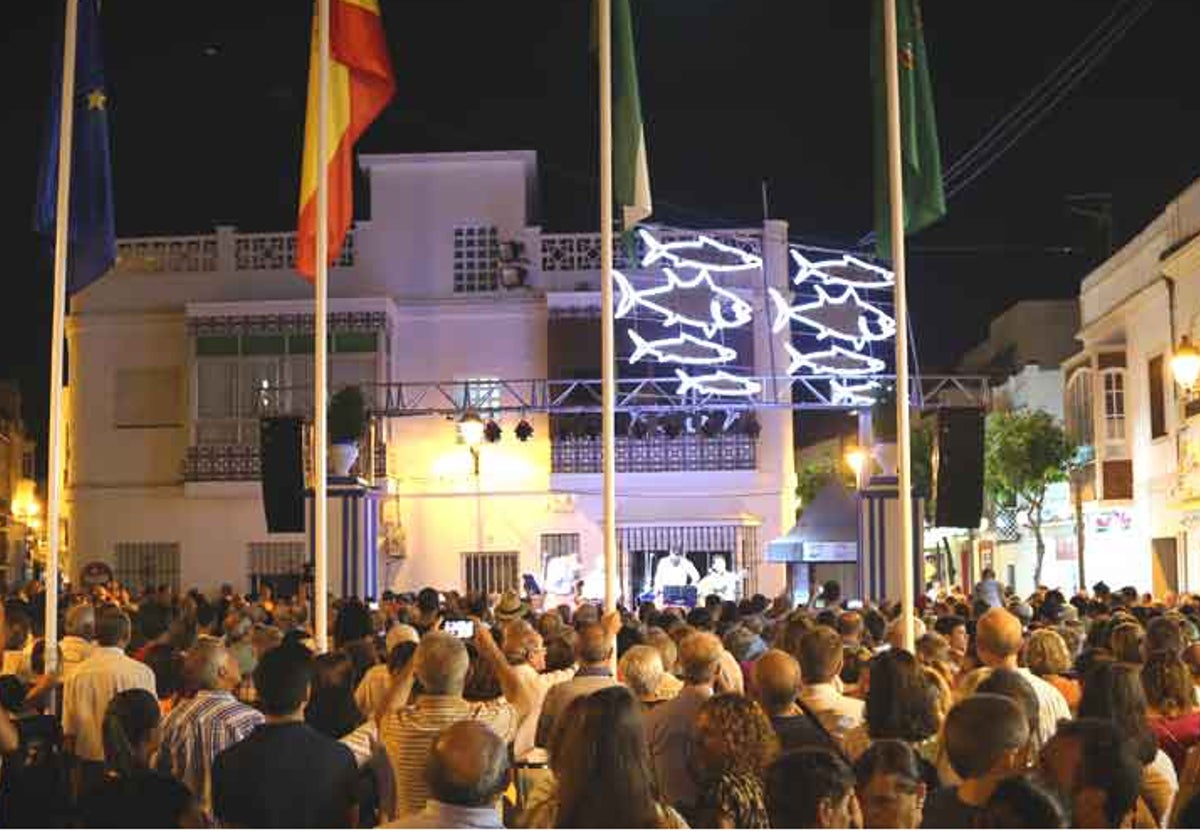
360 86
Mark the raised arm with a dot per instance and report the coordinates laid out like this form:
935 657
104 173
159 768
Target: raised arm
515 691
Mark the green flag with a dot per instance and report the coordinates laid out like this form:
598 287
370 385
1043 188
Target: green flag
924 197
631 172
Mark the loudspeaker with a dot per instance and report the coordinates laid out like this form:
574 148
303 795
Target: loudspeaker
958 468
281 448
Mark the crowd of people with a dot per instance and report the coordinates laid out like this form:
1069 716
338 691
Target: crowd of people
438 710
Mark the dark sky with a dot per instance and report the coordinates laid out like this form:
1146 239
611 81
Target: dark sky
207 104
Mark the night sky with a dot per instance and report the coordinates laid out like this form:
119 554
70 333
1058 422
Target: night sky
207 106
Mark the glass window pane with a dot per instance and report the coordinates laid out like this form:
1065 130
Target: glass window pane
263 345
216 389
217 345
355 342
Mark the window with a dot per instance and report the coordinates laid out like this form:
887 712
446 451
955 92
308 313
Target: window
1158 398
141 565
491 572
282 565
1114 413
558 545
476 255
1079 408
483 395
148 398
242 378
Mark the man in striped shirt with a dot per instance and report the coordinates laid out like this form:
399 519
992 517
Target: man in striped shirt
440 664
198 729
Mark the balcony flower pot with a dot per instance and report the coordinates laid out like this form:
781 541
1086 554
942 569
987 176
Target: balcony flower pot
347 425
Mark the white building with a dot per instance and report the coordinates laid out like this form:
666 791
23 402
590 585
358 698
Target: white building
1022 352
450 285
1143 479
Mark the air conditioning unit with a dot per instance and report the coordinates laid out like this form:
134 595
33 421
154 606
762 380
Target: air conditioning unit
512 268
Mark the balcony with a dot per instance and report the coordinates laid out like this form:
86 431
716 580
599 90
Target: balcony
686 453
243 462
224 250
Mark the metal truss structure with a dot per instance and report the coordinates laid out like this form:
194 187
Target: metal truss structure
650 395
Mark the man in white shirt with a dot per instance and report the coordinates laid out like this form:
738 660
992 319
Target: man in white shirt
674 570
101 676
76 645
820 663
719 581
998 640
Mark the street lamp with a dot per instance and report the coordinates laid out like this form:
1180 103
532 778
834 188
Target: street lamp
470 429
1185 365
857 459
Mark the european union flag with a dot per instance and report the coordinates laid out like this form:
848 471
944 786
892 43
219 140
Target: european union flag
92 232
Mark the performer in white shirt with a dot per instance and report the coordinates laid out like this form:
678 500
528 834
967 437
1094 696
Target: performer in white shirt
719 581
674 570
562 574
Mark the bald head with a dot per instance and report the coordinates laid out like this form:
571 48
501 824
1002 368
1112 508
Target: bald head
998 638
777 681
441 664
210 667
468 765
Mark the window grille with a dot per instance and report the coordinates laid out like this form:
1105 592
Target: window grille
491 572
558 545
277 558
142 565
476 258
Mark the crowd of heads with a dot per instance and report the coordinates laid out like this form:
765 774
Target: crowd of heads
781 715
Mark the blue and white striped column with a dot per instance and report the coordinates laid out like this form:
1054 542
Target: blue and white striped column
354 510
879 540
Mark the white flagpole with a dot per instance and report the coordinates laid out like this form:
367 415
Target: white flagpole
321 337
891 52
608 432
54 490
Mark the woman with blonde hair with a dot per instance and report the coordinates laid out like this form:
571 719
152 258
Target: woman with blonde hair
1046 654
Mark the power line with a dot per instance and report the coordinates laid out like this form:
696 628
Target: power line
1069 65
1101 52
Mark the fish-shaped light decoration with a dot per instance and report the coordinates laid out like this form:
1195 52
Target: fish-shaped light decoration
686 349
726 310
703 252
846 271
834 360
848 317
719 384
842 392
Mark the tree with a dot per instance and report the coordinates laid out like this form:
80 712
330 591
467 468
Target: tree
811 478
1024 453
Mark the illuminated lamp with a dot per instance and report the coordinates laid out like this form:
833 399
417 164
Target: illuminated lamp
470 428
1185 365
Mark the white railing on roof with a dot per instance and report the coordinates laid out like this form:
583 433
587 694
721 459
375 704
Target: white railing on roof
226 250
156 254
581 251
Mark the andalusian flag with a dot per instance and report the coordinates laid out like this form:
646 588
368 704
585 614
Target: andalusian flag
631 172
924 198
360 86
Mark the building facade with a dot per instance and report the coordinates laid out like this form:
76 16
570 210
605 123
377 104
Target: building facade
19 517
449 299
1022 354
1141 482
